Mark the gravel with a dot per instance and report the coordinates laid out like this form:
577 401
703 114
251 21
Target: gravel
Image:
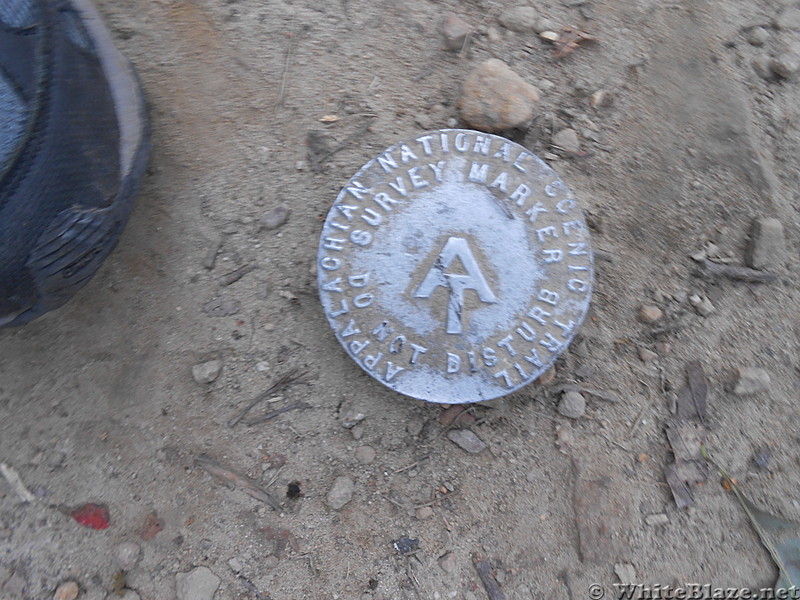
466 440
767 245
207 372
572 405
198 584
341 492
751 380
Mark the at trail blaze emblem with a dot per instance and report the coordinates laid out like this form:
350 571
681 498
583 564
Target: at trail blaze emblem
457 284
455 267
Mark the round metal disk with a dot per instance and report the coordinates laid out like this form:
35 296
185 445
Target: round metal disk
455 267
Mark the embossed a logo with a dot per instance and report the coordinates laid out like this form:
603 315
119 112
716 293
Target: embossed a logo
455 247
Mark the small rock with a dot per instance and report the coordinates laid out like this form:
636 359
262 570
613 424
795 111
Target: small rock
656 520
650 314
414 426
550 36
365 454
646 355
601 99
789 18
761 457
127 554
68 590
467 440
235 564
404 545
448 562
495 98
663 348
198 584
702 305
751 380
456 413
567 140
423 120
351 414
207 372
767 245
493 35
757 36
625 572
341 492
762 65
272 219
786 64
222 307
424 512
548 376
572 405
544 24
455 32
14 587
520 18
357 432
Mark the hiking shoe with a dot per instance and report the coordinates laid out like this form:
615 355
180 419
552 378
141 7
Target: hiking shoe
73 147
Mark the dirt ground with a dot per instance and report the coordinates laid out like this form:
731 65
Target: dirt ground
98 402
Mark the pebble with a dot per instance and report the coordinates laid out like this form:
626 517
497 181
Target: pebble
448 562
650 314
351 415
236 565
414 426
572 405
272 219
761 457
127 554
341 492
757 36
222 307
495 98
15 586
493 35
198 584
466 440
520 18
365 454
424 512
702 305
657 519
762 65
68 590
786 64
455 31
207 372
567 140
663 348
424 121
767 245
550 36
646 355
751 380
789 18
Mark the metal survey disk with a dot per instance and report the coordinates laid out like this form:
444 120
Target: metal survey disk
455 267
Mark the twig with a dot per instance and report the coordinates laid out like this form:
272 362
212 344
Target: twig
228 476
285 380
15 481
490 584
236 275
279 411
738 273
411 466
285 75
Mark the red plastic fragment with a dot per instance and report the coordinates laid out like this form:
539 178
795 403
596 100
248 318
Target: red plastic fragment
93 516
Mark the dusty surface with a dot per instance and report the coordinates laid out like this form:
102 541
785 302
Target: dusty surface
98 403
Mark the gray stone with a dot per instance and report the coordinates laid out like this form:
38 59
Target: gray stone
207 372
127 555
495 98
646 355
751 380
520 18
626 572
272 219
67 590
650 314
786 64
701 304
762 65
448 562
572 405
198 584
424 512
341 492
14 587
467 440
789 18
767 244
567 140
222 307
351 413
758 36
656 520
455 31
235 564
414 426
365 454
